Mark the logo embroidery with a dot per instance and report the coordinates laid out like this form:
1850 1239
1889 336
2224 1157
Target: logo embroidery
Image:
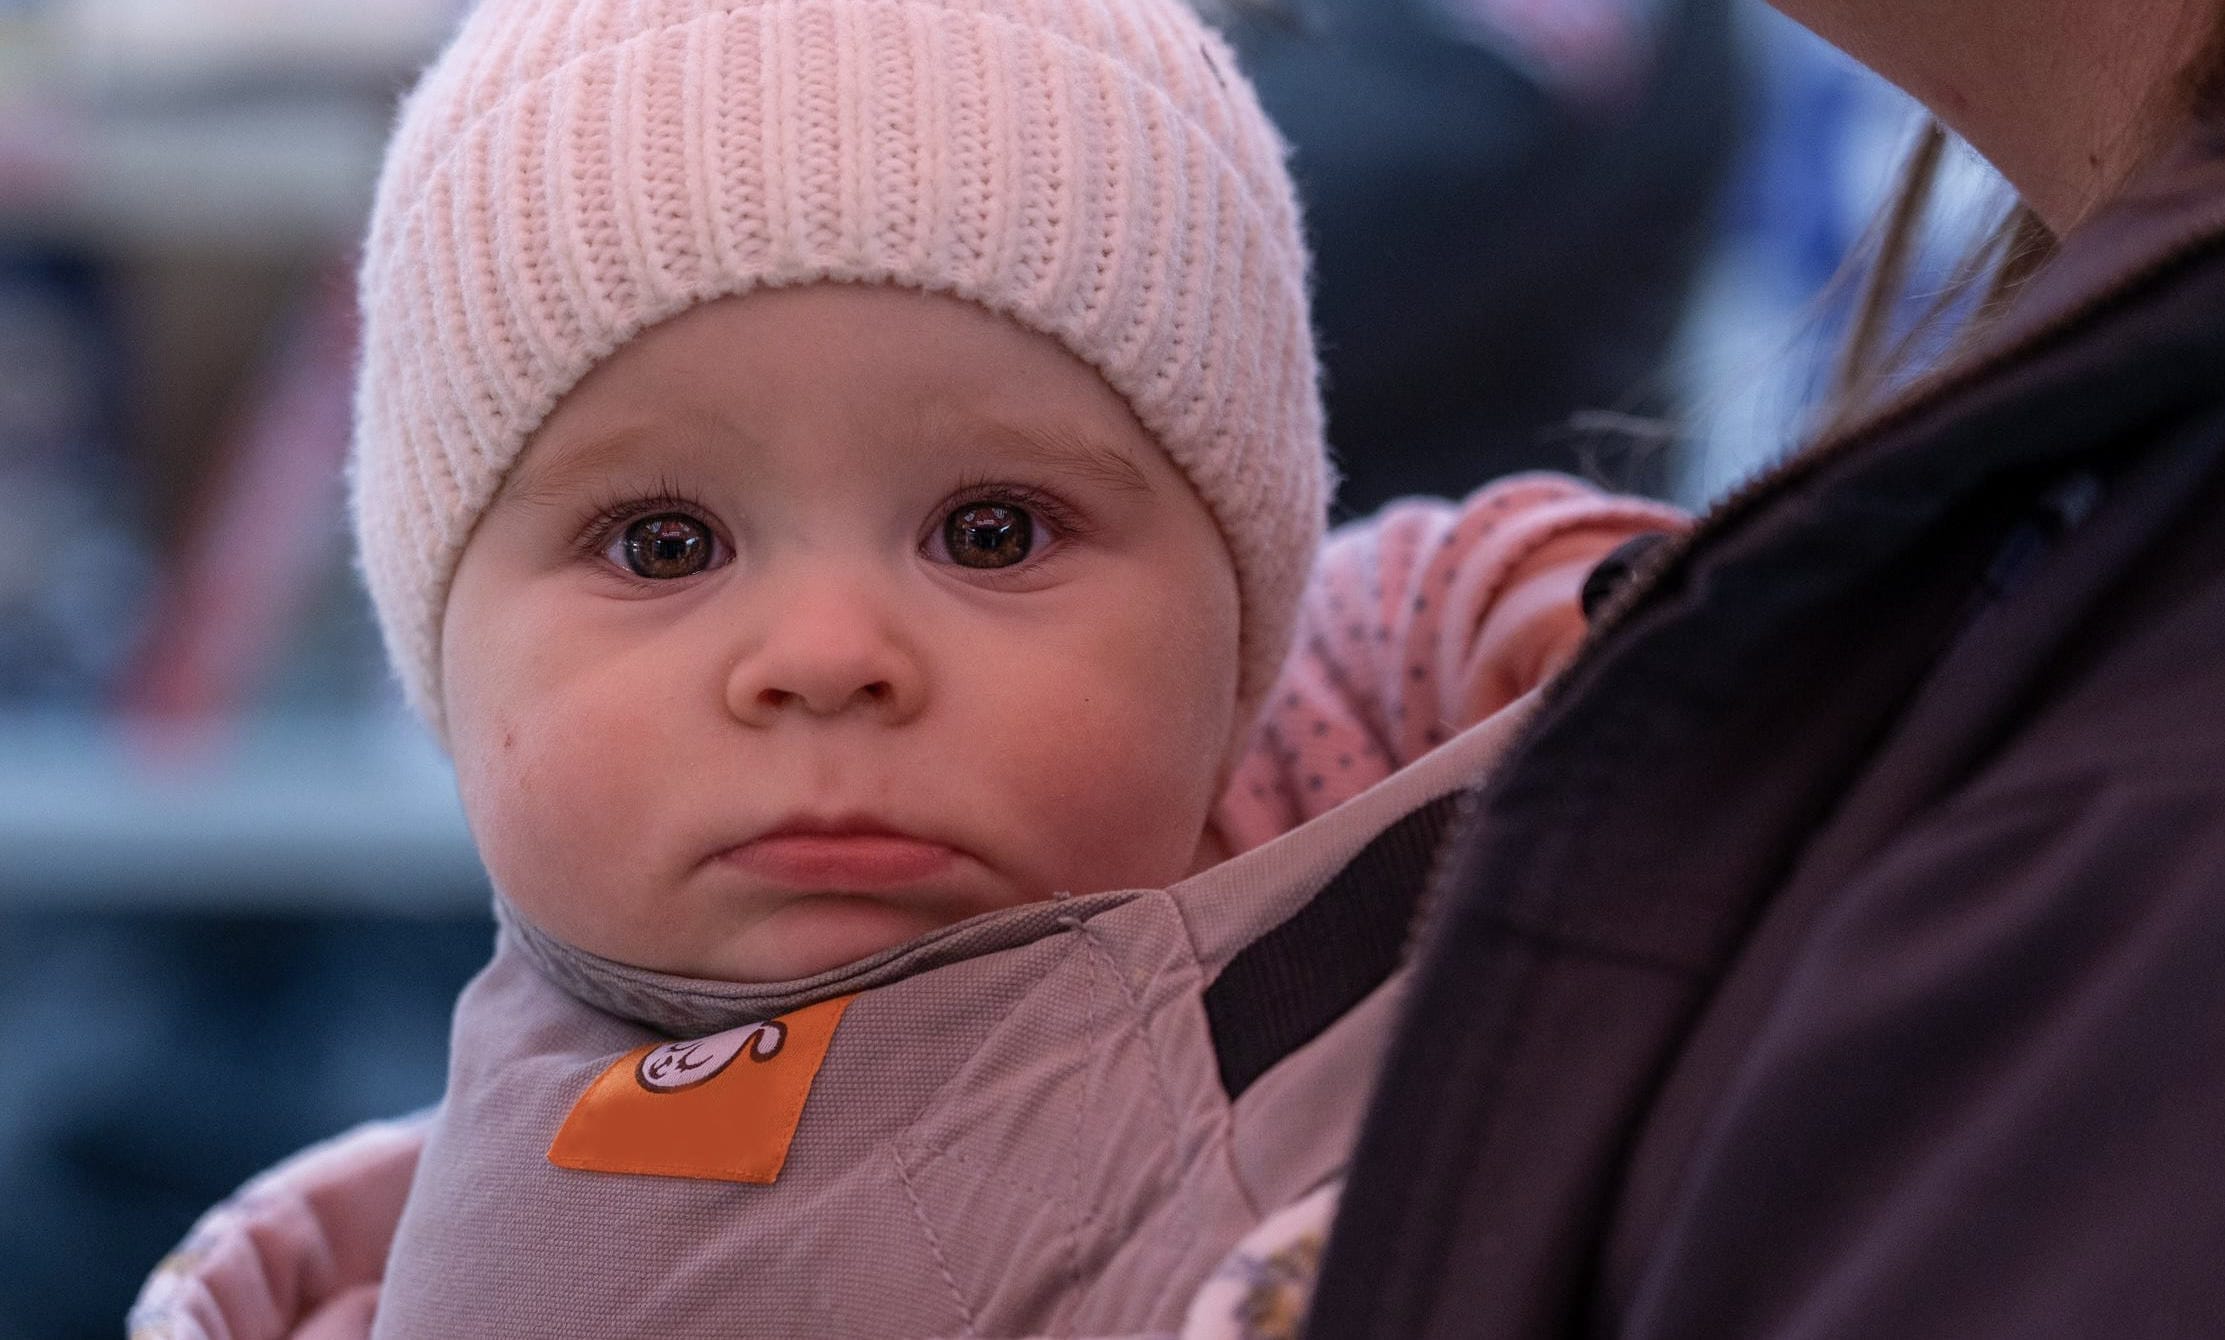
722 1108
683 1065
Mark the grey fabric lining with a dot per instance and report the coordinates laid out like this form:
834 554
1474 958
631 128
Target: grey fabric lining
694 1007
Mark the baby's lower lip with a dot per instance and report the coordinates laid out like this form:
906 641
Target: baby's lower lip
850 862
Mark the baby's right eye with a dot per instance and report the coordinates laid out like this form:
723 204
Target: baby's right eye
664 547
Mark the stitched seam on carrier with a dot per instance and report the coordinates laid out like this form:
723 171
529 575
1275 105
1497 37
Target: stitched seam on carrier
934 1244
1079 1216
1187 1194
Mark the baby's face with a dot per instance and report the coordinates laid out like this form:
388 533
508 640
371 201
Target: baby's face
812 620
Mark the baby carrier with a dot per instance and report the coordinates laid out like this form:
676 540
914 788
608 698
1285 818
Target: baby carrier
1052 1119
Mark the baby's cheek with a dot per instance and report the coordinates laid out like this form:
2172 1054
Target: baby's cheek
1127 791
538 816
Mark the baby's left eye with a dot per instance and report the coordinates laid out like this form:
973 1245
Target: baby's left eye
987 534
665 547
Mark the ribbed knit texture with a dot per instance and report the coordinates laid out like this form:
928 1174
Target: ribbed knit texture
570 173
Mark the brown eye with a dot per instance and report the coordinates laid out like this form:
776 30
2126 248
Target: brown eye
662 548
988 535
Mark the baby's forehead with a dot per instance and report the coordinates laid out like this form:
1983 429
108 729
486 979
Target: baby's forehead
880 376
668 440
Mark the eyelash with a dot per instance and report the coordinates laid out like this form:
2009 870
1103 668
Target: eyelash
608 519
1064 521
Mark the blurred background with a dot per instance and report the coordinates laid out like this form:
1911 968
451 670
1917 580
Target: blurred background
236 896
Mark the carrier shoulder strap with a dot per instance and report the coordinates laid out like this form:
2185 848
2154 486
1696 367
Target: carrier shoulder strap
1281 991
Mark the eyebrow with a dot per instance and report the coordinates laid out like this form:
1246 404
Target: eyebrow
580 467
1075 454
586 464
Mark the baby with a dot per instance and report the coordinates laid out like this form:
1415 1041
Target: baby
844 480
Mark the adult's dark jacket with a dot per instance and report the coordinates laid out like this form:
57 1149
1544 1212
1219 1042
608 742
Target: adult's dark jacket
1843 951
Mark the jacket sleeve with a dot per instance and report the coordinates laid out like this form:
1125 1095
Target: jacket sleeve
1419 622
1988 1098
297 1252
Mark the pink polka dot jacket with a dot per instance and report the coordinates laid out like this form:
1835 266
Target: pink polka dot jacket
1420 621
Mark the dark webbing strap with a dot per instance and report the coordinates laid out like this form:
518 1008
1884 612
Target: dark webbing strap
1283 989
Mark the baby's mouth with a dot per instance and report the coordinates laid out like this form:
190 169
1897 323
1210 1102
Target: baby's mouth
839 855
860 862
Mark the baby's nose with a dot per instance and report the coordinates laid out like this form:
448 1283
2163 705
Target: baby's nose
830 699
824 663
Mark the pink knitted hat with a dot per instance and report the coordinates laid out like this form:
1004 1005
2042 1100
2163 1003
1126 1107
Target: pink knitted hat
571 172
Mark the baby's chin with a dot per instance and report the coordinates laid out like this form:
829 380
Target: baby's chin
818 934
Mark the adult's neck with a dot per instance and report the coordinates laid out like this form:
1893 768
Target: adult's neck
2062 96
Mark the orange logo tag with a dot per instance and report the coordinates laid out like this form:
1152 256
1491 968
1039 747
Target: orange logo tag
723 1108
